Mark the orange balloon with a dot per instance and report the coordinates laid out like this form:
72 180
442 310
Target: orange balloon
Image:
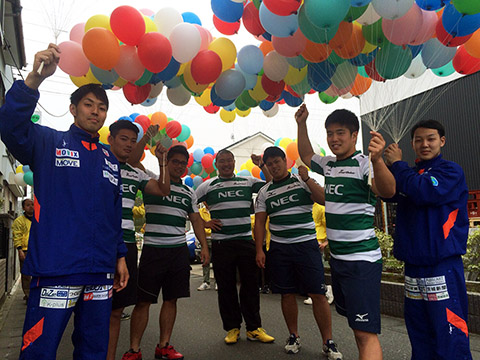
189 142
292 151
101 48
473 45
316 53
266 47
354 45
360 85
143 156
256 171
342 35
160 119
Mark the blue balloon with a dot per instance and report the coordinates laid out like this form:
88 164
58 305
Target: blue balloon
435 54
250 59
140 131
262 175
167 74
133 116
230 84
267 36
209 150
358 3
104 76
149 102
294 170
198 155
415 50
217 100
197 180
26 168
458 24
107 86
364 59
188 181
281 26
230 107
228 11
319 75
244 172
250 79
125 118
291 100
191 18
430 4
266 105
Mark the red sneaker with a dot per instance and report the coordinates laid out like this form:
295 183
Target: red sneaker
167 353
130 355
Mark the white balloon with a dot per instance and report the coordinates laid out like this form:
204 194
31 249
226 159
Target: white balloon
392 9
19 179
178 96
166 19
156 90
369 17
271 112
347 96
275 66
185 40
416 69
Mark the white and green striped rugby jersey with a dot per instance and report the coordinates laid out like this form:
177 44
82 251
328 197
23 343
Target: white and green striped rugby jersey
230 200
133 179
167 216
349 207
289 205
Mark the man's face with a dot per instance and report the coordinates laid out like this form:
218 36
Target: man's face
89 114
277 167
225 164
177 166
341 141
28 207
123 144
427 143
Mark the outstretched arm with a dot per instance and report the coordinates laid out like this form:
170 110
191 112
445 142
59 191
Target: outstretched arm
383 183
257 160
160 187
136 155
50 58
304 145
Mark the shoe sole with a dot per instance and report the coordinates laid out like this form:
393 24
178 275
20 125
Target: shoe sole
257 339
164 358
292 351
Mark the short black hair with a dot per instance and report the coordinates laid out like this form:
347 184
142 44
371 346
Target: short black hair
271 152
345 118
177 149
122 124
428 124
95 89
24 201
224 151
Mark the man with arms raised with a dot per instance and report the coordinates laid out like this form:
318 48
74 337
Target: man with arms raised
294 256
356 260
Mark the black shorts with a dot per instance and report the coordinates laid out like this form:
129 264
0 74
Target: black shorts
356 289
128 296
296 268
163 268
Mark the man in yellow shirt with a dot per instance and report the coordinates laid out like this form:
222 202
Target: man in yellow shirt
207 220
21 232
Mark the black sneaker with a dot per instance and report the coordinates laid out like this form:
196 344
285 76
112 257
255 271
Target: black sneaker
293 344
331 352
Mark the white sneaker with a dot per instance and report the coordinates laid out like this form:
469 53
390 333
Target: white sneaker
329 294
204 286
331 352
293 344
216 287
308 301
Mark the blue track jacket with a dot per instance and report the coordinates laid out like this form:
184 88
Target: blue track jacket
432 218
78 200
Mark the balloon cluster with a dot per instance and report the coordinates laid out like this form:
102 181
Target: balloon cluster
23 176
200 167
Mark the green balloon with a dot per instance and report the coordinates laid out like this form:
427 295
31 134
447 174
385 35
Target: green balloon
213 173
327 99
248 100
240 105
196 168
147 75
374 34
302 87
393 61
445 70
355 12
182 80
335 59
204 174
312 32
467 7
362 72
28 178
35 118
257 3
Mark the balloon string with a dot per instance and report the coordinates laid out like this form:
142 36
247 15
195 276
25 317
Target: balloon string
163 172
370 169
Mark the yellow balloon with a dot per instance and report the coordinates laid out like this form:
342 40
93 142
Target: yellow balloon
294 76
85 79
368 48
152 149
227 116
257 93
191 83
227 51
243 167
243 113
249 165
120 82
181 69
104 132
102 21
204 99
150 26
284 142
19 169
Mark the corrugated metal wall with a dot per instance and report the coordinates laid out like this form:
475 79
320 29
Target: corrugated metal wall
458 109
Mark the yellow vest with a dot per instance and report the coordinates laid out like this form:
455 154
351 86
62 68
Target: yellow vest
21 232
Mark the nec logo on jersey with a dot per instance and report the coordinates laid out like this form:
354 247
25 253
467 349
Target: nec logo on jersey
230 194
176 199
285 200
332 189
67 153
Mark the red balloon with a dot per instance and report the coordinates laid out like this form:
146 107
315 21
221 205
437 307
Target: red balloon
154 51
447 39
251 20
207 161
127 24
272 98
464 63
226 28
282 7
136 94
372 72
206 67
312 91
211 109
173 129
144 122
190 160
271 87
281 102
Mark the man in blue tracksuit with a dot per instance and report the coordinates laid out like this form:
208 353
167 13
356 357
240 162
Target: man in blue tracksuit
431 235
76 243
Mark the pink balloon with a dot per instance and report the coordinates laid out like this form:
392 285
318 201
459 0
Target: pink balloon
427 31
129 66
147 12
77 32
290 46
72 60
205 36
403 30
334 91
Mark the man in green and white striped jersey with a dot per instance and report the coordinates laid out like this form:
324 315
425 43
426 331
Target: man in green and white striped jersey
356 259
122 140
229 198
295 259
